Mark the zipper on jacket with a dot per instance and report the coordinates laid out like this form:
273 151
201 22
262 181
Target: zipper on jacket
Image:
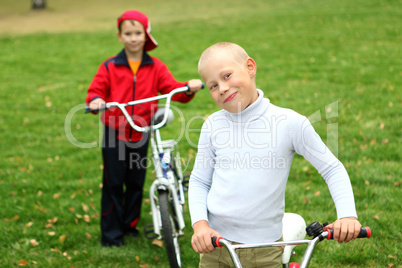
132 107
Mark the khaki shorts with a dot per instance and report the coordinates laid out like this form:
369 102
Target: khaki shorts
250 258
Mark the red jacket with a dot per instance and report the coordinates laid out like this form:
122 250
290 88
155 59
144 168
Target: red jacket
115 82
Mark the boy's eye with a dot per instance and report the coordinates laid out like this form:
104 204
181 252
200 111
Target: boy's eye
227 76
212 87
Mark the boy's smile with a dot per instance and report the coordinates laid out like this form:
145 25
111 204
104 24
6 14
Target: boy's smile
231 97
231 84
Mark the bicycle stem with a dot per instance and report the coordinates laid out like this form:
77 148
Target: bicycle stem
310 248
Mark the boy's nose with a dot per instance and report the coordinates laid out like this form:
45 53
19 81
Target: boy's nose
223 88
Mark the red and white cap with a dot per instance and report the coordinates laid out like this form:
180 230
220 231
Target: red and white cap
143 19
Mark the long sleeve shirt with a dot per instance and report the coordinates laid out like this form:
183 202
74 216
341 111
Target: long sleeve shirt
242 167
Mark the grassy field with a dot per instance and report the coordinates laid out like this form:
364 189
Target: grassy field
336 61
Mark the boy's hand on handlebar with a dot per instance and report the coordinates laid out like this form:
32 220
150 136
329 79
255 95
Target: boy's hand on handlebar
96 104
345 229
201 240
194 85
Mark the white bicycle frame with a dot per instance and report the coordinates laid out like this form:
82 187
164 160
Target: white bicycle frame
165 180
161 156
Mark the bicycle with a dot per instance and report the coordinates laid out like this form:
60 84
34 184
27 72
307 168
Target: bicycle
167 191
294 232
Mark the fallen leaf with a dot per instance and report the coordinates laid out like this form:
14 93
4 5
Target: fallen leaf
33 242
367 183
47 226
22 263
29 224
51 233
88 236
317 193
158 243
39 193
85 207
55 250
53 221
305 200
86 218
137 258
382 126
62 238
71 209
397 183
376 217
56 196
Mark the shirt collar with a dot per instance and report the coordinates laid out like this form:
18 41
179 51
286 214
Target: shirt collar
252 112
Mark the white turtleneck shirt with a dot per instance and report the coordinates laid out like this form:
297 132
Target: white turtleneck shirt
242 167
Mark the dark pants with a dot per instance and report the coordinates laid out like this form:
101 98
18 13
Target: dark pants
123 180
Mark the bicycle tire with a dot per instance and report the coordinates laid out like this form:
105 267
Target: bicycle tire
170 235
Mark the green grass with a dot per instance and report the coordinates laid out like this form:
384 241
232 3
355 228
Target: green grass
310 54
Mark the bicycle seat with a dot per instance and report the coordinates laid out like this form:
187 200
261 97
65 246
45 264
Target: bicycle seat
293 228
158 116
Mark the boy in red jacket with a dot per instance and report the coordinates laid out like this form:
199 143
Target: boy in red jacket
130 75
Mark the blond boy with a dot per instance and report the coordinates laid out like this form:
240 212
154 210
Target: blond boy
237 187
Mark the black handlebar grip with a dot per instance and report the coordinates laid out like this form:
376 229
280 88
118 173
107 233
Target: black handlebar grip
89 110
188 88
365 232
215 242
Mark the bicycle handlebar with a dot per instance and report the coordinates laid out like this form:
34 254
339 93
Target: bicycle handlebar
122 106
116 104
365 232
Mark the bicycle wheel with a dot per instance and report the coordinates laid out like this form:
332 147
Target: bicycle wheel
170 234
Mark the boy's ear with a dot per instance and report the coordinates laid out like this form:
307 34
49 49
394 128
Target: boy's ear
251 67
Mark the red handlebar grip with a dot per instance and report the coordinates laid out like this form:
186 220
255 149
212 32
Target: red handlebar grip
364 232
215 242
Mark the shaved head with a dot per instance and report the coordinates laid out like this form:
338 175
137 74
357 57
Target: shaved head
224 49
